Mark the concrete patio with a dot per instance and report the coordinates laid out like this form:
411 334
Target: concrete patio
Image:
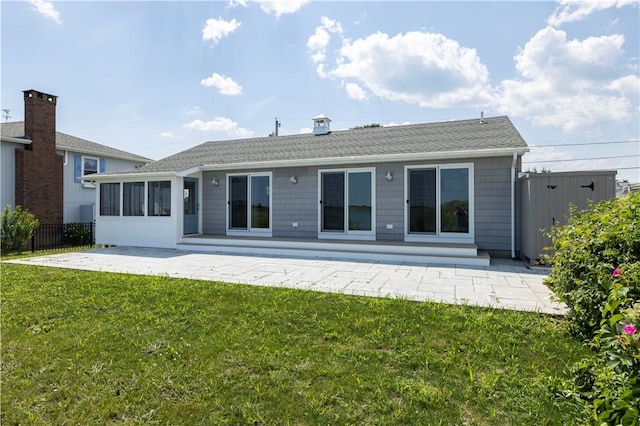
505 284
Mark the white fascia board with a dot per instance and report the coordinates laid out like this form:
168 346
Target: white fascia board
21 141
117 177
190 171
367 159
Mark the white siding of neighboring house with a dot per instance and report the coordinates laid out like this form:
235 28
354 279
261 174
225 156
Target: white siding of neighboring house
8 173
77 194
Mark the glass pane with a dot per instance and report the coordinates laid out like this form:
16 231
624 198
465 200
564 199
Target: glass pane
260 202
133 199
90 165
333 201
422 201
159 198
110 199
189 197
454 198
238 202
360 201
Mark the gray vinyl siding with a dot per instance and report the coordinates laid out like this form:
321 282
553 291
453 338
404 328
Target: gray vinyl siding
77 194
214 203
295 203
390 202
298 203
493 204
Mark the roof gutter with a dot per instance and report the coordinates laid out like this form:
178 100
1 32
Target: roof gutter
22 141
119 176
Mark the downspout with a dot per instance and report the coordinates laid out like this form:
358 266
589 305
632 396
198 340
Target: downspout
513 205
65 157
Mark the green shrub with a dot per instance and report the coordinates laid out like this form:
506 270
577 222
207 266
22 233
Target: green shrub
586 251
596 272
77 234
18 227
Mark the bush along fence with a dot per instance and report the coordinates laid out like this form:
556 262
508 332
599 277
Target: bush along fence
58 236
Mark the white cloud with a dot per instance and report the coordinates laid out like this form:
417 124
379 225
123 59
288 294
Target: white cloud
576 10
627 86
222 125
46 9
216 29
276 7
355 91
305 130
428 70
319 41
193 111
568 83
225 85
392 124
280 7
168 135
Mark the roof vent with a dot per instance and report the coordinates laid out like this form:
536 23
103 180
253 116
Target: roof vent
482 117
321 125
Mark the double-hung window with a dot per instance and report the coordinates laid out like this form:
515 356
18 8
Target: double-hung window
89 166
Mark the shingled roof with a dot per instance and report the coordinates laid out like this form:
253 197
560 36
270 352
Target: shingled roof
494 135
71 143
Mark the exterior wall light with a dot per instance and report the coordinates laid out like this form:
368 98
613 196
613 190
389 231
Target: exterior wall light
215 182
293 179
389 176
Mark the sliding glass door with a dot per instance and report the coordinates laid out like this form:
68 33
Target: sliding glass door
439 201
346 203
249 200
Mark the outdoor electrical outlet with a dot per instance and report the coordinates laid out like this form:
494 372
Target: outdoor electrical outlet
389 225
294 224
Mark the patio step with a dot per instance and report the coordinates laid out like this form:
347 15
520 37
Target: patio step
370 251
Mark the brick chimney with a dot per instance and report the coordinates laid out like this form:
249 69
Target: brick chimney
39 170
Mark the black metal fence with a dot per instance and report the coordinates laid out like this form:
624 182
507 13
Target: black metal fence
51 237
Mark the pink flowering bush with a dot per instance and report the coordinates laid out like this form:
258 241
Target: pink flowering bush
590 254
596 272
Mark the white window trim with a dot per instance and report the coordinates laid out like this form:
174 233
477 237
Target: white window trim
346 234
441 237
249 232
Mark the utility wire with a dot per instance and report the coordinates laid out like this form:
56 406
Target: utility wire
586 143
581 159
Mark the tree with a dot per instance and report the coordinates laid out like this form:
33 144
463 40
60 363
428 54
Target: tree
366 126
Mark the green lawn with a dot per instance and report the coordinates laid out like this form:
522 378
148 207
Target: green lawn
100 348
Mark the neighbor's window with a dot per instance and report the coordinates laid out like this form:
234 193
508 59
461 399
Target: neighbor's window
160 198
109 199
89 165
133 199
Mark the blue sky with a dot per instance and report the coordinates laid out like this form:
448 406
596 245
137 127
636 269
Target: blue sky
158 77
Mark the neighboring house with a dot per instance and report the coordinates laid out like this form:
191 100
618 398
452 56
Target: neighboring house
42 168
624 188
443 189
